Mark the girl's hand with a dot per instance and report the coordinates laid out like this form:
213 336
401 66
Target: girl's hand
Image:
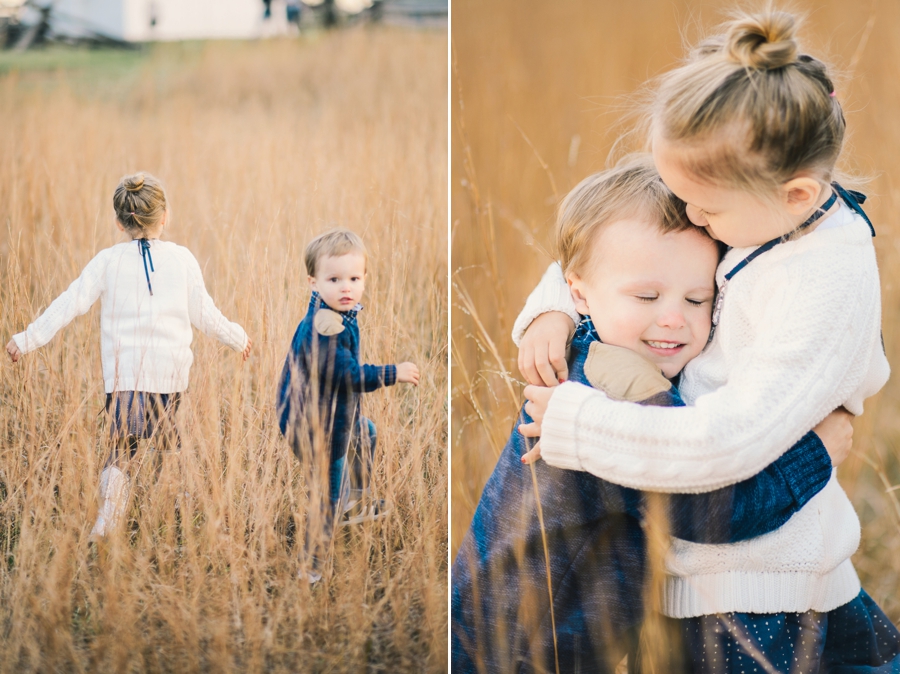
538 399
542 353
245 354
533 454
13 350
408 373
836 433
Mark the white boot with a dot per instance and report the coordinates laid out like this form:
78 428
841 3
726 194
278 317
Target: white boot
114 494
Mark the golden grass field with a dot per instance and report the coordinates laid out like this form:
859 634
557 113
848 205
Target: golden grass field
261 146
537 96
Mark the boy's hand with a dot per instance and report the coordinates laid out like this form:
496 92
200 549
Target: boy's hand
13 350
836 433
408 373
542 353
538 398
245 354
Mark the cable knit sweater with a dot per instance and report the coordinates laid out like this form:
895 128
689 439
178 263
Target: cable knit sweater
798 336
145 340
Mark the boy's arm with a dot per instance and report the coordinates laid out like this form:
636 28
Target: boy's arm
758 505
204 313
74 301
350 374
338 362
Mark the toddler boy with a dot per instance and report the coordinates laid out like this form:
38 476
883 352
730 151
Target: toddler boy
642 278
319 394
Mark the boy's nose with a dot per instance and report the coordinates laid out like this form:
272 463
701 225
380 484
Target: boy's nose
671 318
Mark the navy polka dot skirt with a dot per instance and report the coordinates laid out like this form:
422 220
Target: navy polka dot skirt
856 638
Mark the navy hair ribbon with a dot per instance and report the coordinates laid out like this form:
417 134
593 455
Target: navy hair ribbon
145 255
854 200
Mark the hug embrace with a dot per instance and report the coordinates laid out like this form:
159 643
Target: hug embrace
720 299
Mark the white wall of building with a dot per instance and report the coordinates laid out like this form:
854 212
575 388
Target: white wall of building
147 20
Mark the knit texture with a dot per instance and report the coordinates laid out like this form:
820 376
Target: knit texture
799 335
551 294
145 340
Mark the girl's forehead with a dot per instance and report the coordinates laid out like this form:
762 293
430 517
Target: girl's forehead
693 190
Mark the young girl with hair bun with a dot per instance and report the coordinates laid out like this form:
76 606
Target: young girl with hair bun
747 132
151 293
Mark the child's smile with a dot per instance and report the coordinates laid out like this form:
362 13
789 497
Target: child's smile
650 292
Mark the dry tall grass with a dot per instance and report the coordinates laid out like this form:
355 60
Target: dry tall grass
536 96
261 146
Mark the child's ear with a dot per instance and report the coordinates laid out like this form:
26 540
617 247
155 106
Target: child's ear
311 280
801 195
576 288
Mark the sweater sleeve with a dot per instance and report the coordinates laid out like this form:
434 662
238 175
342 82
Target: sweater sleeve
74 301
551 294
204 313
811 349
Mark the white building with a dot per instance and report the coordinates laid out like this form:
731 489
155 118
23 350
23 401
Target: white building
147 20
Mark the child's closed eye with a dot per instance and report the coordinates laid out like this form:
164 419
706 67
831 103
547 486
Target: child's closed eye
646 298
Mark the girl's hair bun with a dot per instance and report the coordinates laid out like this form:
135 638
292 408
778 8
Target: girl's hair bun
762 41
134 183
140 202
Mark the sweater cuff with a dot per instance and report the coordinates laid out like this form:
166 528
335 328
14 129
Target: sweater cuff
551 294
390 375
559 429
21 340
806 468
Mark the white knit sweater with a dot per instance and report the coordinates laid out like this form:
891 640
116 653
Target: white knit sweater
799 335
145 340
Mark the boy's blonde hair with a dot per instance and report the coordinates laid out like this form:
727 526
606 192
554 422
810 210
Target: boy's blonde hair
140 203
632 189
749 108
331 244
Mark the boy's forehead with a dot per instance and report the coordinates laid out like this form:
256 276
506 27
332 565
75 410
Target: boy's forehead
639 243
345 260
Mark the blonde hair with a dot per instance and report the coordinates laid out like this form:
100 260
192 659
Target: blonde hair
331 244
140 203
749 108
631 189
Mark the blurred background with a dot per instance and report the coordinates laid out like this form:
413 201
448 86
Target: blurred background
26 23
261 145
538 93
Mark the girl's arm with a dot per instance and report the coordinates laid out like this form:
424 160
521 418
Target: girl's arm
551 294
74 301
204 313
811 353
543 329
